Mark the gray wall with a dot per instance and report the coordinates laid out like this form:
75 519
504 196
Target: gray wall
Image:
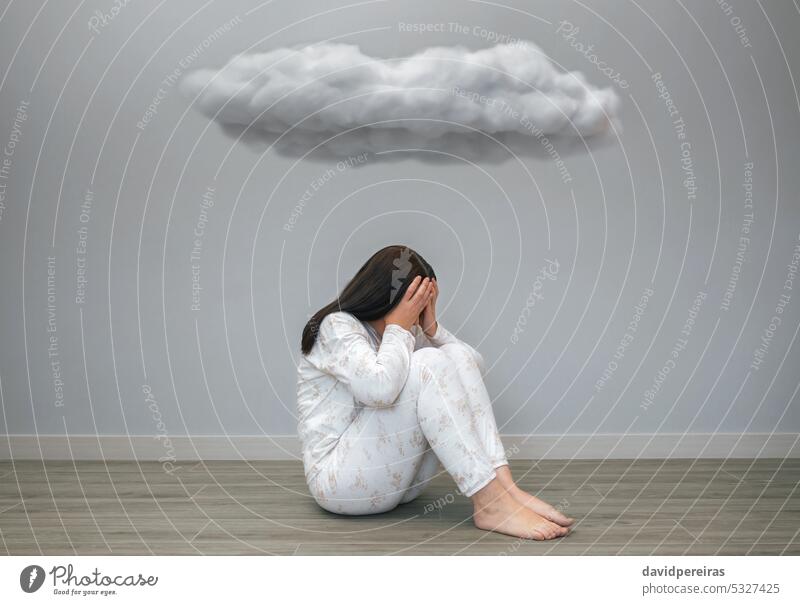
624 224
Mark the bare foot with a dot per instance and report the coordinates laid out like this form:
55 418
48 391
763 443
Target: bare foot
537 505
496 510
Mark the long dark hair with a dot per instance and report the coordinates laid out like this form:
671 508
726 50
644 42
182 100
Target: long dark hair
375 290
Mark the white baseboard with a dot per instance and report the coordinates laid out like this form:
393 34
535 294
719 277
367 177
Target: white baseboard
287 447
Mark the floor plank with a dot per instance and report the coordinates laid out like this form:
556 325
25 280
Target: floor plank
643 507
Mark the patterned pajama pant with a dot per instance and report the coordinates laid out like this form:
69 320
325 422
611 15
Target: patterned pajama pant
388 455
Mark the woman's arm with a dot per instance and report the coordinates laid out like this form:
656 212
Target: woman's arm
374 379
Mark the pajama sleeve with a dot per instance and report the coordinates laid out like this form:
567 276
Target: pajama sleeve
374 378
444 337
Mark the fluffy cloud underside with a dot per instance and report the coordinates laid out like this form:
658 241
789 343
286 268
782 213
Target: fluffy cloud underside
333 97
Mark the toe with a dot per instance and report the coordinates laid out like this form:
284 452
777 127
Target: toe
555 529
558 517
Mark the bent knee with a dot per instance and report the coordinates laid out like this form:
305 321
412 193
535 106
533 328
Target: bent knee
463 354
429 362
431 358
456 350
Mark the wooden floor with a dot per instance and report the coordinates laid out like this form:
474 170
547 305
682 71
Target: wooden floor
674 507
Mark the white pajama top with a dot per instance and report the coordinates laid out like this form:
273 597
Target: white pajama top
349 368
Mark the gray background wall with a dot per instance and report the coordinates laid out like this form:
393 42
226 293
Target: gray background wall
623 224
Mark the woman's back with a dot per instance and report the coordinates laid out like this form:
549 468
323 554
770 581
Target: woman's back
328 376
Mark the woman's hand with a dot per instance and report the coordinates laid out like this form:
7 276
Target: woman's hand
414 301
428 318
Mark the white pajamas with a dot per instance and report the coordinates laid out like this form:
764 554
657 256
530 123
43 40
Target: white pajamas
376 416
